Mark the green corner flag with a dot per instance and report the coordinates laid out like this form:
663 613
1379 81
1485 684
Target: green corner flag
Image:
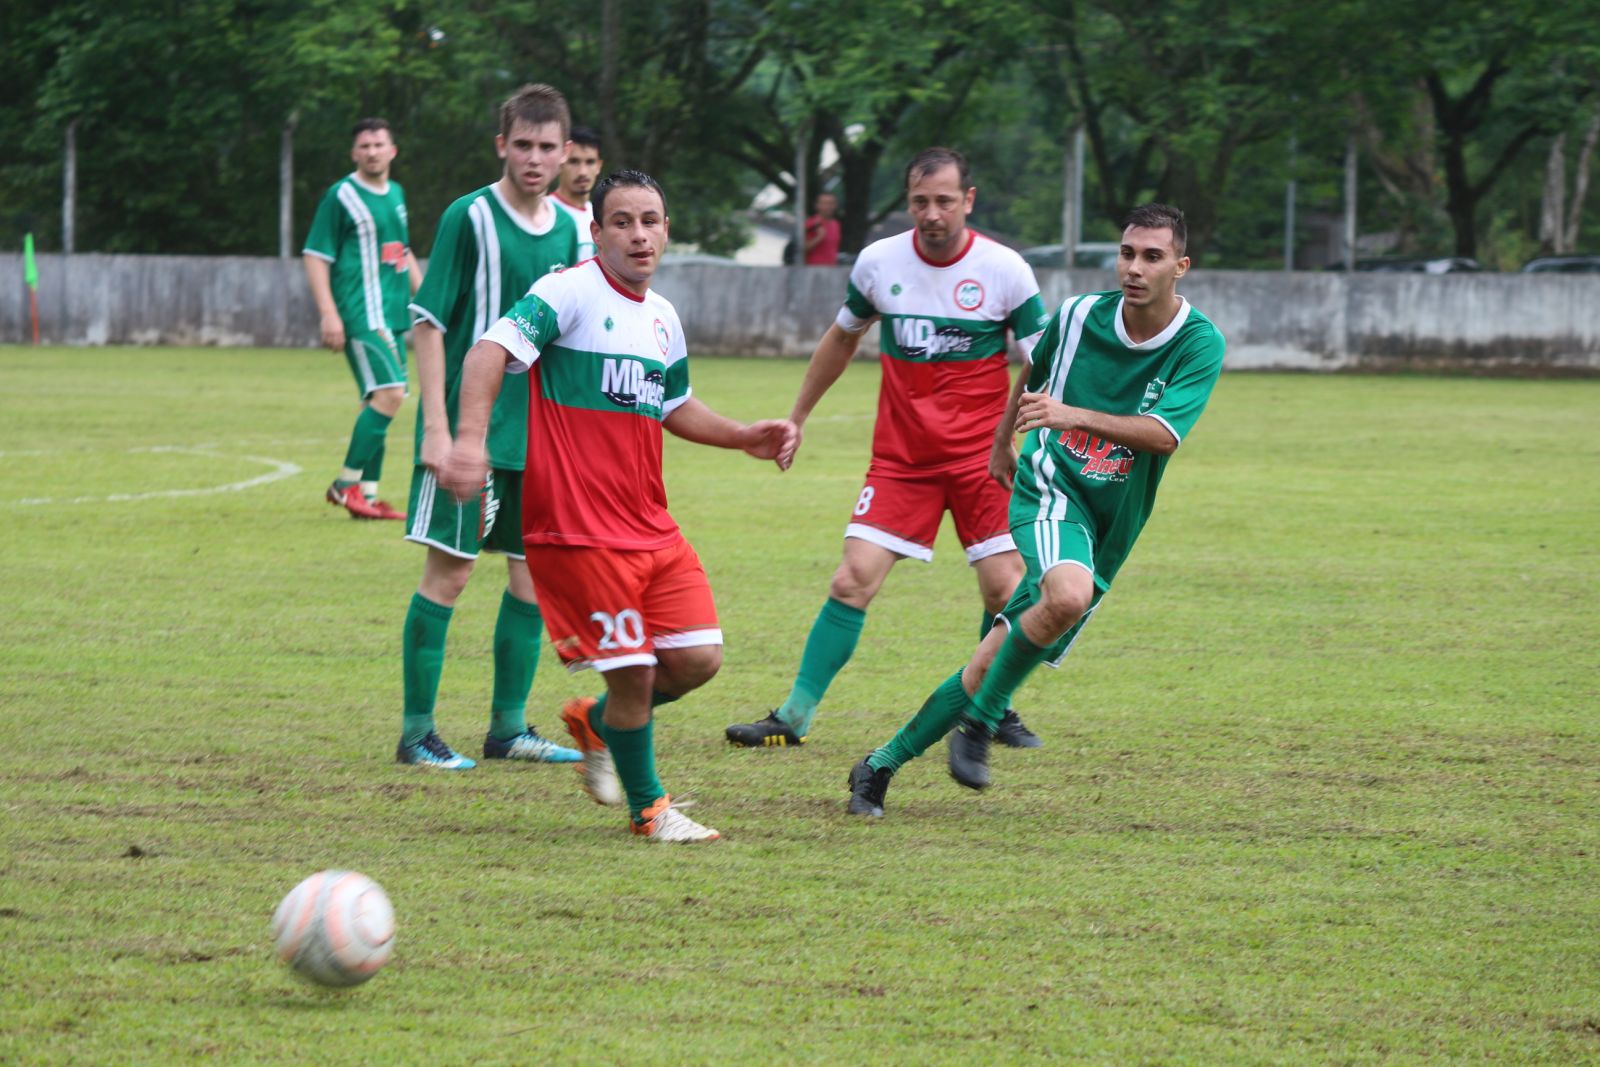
30 269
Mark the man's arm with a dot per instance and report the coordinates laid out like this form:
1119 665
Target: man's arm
481 374
1142 433
322 293
427 344
815 234
1003 458
416 272
832 356
774 439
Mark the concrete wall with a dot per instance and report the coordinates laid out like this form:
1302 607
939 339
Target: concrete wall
1482 323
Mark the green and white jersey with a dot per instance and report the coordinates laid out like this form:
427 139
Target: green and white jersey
943 345
605 367
1086 359
364 237
581 216
485 257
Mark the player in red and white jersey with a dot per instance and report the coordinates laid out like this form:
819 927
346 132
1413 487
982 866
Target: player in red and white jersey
946 297
623 593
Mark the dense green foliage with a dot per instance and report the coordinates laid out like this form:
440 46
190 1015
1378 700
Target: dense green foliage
1318 786
1458 109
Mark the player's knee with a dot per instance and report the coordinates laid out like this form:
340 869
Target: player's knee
387 401
1063 610
681 670
851 586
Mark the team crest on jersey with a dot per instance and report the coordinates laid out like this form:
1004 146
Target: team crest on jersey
663 338
894 290
969 294
610 323
1102 460
1152 394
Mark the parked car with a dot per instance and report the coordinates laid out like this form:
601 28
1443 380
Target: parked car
1089 255
1438 265
1562 265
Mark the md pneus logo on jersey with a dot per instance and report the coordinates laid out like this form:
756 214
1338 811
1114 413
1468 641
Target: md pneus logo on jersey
924 339
628 384
1102 460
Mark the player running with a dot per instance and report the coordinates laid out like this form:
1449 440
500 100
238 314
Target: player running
359 265
578 174
492 245
947 297
1117 382
622 590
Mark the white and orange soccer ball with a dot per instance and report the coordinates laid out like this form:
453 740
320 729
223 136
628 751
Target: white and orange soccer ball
336 928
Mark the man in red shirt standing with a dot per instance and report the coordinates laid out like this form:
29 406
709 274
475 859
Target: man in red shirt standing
822 233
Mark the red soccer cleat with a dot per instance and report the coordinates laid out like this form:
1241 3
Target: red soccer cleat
385 511
351 500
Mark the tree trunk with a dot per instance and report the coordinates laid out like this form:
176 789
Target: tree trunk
1580 184
1551 208
610 45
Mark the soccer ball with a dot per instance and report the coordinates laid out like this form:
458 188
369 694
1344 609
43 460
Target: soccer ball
336 928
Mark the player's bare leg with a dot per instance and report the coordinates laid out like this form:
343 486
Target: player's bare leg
862 570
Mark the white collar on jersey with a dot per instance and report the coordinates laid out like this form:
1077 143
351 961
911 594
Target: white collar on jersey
1159 339
540 226
356 177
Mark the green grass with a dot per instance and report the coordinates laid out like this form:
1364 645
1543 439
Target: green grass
1320 783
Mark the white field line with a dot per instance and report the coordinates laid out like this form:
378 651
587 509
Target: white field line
281 469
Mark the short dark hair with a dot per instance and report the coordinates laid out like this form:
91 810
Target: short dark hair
586 136
372 125
929 160
622 179
535 105
1153 216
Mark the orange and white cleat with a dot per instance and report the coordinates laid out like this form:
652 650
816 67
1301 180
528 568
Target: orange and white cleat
665 821
349 497
596 772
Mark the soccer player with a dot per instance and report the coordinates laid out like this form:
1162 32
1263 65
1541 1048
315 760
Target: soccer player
492 245
359 265
622 591
947 297
578 175
1117 382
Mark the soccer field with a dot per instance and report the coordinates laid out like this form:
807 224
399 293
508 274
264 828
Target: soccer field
1320 783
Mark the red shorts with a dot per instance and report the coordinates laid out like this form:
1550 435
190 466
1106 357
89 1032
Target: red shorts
900 510
606 608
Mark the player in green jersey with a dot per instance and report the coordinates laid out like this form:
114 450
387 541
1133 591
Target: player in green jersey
1117 381
492 245
359 265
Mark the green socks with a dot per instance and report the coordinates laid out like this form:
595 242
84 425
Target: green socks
938 714
366 440
422 659
633 753
516 658
1017 657
832 642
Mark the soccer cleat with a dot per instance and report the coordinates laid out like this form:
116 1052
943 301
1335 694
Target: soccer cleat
529 746
351 500
431 751
771 732
664 821
867 787
969 754
1012 734
596 771
385 511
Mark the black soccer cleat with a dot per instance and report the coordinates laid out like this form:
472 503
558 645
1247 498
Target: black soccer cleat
969 754
771 732
1012 734
867 787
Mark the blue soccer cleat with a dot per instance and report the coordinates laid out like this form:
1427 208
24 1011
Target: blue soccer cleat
432 752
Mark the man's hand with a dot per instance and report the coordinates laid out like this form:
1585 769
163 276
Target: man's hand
333 331
1040 411
1003 463
774 439
464 470
436 446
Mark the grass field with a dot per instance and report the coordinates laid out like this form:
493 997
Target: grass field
1320 786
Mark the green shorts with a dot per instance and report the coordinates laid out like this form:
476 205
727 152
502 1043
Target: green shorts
377 358
491 523
1046 544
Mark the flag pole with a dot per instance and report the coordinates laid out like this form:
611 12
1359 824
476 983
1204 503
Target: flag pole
30 277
